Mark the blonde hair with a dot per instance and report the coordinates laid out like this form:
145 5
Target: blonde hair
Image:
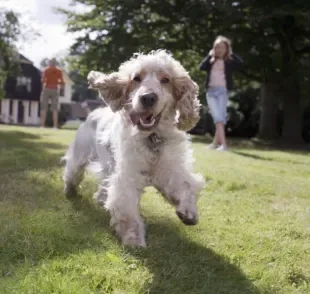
227 42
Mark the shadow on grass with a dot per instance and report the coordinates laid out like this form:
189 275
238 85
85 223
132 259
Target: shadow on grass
256 144
235 143
178 264
94 214
22 150
253 156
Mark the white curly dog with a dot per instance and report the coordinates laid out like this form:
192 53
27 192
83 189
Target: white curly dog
139 140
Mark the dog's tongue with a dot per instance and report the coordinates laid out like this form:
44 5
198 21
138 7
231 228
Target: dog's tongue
135 116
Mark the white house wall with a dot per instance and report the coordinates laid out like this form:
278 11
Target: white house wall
66 99
26 112
33 119
5 110
15 112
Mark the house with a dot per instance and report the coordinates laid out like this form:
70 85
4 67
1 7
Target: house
22 95
65 91
21 104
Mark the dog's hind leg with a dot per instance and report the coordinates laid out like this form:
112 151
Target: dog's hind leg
73 175
103 168
101 195
77 158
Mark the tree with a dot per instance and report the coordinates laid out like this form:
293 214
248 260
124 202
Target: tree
9 31
80 90
61 62
281 41
272 36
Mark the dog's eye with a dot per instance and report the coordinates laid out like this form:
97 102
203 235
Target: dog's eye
164 80
137 79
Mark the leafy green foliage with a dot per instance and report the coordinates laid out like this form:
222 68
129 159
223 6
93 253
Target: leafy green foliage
9 31
61 62
261 31
80 88
273 37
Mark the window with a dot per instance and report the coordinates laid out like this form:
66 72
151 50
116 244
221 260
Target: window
24 82
29 109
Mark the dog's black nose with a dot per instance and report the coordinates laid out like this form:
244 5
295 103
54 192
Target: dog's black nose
148 99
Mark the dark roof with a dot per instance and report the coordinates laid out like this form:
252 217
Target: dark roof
21 92
23 59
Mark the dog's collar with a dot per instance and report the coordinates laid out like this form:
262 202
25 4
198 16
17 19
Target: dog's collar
154 141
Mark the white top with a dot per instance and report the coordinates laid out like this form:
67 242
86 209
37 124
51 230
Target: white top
217 74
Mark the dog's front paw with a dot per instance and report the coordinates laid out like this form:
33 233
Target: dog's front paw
70 190
100 197
187 214
133 239
131 233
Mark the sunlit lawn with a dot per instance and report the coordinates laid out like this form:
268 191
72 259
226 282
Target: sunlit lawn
253 235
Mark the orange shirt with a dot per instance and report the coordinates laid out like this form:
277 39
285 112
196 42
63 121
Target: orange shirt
52 77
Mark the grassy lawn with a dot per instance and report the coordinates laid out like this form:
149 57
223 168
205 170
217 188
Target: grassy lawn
253 235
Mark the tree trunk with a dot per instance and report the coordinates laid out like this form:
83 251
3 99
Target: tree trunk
292 118
269 101
292 115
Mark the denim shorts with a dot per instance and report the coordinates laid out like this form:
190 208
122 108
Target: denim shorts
217 98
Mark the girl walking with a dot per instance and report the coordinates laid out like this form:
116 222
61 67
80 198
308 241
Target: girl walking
219 65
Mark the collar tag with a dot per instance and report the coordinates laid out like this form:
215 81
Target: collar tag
154 141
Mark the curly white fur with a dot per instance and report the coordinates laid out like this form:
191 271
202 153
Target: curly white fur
128 153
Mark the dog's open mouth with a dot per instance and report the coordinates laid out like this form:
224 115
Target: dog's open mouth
144 120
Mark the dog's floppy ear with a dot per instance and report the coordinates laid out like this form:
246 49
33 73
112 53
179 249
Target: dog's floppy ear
188 106
112 88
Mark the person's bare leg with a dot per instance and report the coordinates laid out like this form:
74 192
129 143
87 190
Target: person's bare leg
221 133
43 117
55 118
216 140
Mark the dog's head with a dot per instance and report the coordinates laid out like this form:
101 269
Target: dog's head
152 88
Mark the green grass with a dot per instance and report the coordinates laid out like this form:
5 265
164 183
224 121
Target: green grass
253 235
